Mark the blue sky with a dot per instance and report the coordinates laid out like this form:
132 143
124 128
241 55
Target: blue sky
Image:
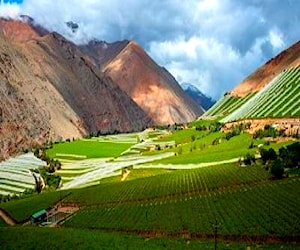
12 1
213 44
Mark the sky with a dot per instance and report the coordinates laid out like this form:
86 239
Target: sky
212 44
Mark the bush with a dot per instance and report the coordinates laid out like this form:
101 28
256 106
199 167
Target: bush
267 155
277 168
290 155
249 159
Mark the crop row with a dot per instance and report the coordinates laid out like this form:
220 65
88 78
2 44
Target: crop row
280 98
267 209
172 184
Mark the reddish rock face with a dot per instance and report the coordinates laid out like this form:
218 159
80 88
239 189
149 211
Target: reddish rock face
50 90
263 75
152 87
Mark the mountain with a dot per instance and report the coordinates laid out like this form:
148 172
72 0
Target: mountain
272 91
152 87
50 90
193 92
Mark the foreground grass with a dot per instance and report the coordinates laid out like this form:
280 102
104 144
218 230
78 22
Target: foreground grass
88 148
2 222
68 238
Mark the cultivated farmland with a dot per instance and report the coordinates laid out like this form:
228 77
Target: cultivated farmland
279 98
16 175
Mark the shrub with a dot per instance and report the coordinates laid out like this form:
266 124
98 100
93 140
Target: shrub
267 155
249 159
277 168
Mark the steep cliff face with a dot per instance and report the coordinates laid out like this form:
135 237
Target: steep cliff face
50 90
264 74
103 52
152 87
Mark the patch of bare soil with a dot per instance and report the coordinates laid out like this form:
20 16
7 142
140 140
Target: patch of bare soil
125 174
6 217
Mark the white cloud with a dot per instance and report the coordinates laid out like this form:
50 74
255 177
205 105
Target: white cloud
276 39
205 62
9 10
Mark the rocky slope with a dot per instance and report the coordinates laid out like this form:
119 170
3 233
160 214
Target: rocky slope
50 90
264 74
152 87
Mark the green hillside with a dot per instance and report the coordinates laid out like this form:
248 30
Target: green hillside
280 98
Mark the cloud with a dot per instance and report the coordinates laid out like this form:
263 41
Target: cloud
9 10
212 44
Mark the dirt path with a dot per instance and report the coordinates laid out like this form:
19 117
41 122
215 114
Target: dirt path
188 165
8 220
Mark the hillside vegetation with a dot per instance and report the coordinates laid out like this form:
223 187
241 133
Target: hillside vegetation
280 98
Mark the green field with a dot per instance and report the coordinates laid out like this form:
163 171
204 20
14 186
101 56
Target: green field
172 184
87 148
225 150
269 209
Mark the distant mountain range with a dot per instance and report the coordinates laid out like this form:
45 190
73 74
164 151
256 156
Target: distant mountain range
272 91
52 89
200 98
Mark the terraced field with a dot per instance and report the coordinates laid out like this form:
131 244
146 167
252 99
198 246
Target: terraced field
227 105
279 98
15 174
104 156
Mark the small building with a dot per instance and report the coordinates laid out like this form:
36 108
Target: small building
38 217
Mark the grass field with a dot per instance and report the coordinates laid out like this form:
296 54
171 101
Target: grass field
87 148
202 149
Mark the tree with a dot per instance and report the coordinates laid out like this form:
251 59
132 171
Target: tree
267 155
277 168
